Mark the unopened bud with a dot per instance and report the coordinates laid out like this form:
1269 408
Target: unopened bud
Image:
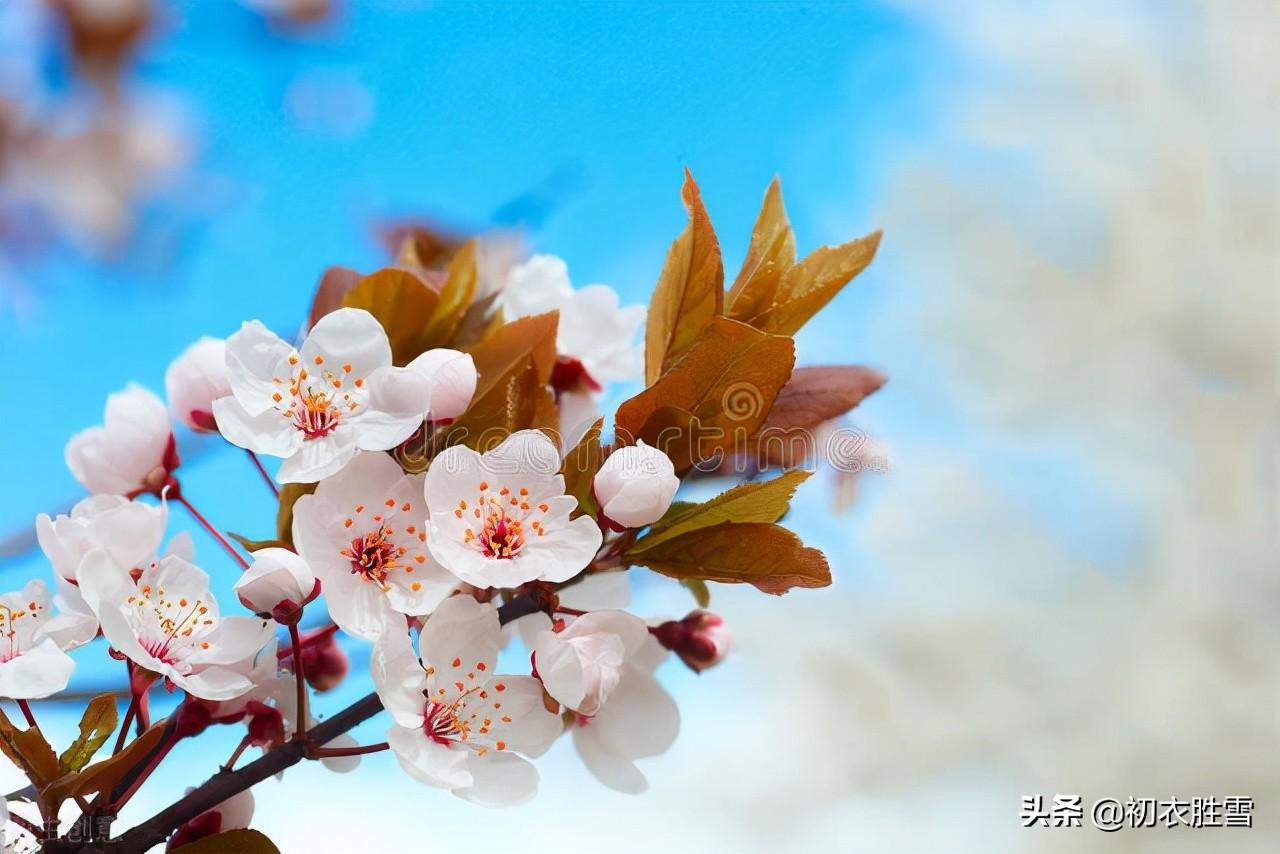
701 639
278 583
325 664
266 724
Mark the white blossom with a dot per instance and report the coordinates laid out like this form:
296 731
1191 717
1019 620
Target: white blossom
195 380
127 453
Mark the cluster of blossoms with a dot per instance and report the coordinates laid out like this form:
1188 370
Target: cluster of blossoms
428 495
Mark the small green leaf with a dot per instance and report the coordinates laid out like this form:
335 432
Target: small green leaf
763 501
698 588
231 842
96 726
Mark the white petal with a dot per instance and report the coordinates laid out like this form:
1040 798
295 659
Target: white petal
500 780
211 683
39 672
400 391
563 552
640 718
398 677
254 353
463 630
428 762
452 376
237 639
268 432
616 772
382 431
349 336
317 459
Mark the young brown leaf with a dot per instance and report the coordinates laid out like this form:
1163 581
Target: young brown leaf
514 367
771 253
762 501
27 749
811 284
580 467
765 555
96 726
404 305
335 283
103 776
231 842
289 495
690 289
455 296
714 398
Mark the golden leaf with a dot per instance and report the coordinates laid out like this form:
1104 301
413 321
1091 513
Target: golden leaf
767 556
96 725
455 296
289 495
811 284
580 467
772 253
28 749
713 399
762 501
403 303
690 289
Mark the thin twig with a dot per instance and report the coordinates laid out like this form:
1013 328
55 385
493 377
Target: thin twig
262 470
213 532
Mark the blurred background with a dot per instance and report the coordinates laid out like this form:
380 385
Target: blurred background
1065 582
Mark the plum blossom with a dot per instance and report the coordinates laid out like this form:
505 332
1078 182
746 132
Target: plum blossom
458 726
195 380
278 582
130 452
436 386
635 485
311 406
32 665
501 518
364 536
582 664
130 532
596 338
168 623
639 720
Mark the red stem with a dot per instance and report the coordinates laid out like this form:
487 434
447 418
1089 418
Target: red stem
301 712
128 719
213 532
327 752
146 772
262 470
27 826
572 612
240 748
26 713
310 640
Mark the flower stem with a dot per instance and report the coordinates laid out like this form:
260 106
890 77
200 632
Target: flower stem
262 470
156 759
26 713
213 532
310 640
235 756
129 715
328 752
302 713
27 826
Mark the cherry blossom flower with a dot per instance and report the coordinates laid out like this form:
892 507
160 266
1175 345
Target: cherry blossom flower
278 582
168 623
130 532
582 664
32 665
131 452
458 726
363 534
635 485
596 339
312 405
501 518
195 380
436 386
639 720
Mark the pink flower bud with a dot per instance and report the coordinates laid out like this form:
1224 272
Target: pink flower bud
265 724
635 485
130 452
278 582
325 664
701 639
195 380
